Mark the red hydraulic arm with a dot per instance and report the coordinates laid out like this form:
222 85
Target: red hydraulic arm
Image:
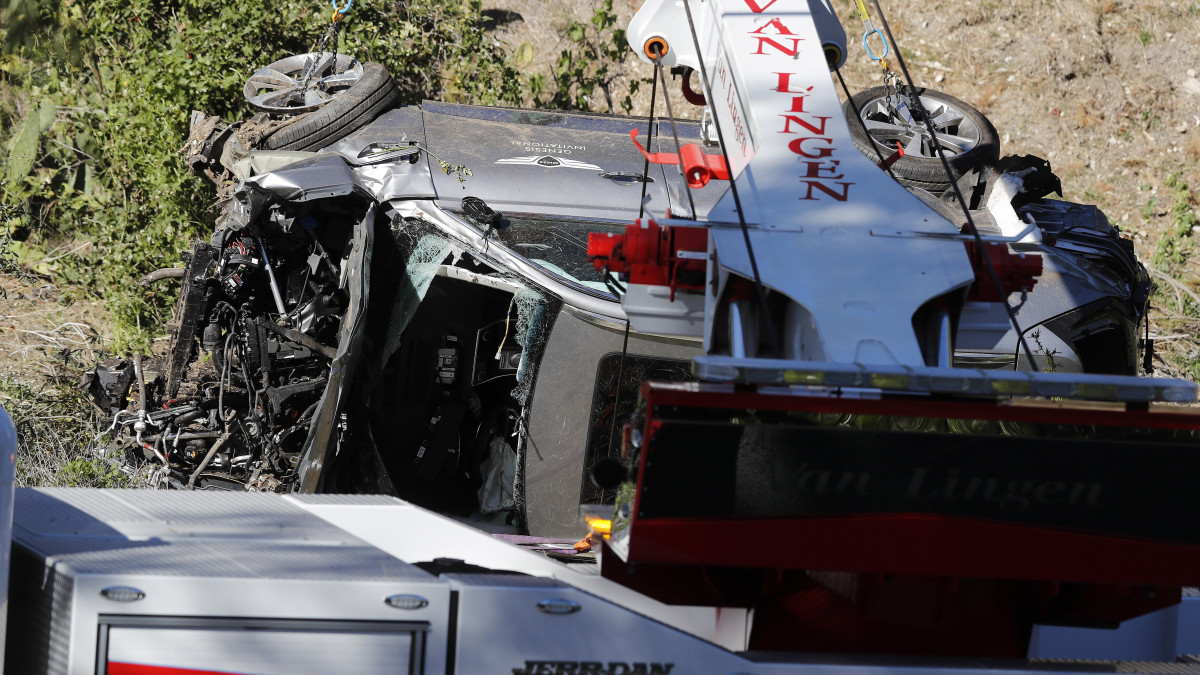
698 167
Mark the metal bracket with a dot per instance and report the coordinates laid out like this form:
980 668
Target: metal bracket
1000 239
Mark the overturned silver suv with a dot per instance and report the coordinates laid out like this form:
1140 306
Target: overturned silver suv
400 299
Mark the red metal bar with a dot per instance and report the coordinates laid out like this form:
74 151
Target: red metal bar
1158 416
698 167
915 545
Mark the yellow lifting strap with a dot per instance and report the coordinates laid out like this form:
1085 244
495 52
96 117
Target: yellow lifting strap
862 11
868 31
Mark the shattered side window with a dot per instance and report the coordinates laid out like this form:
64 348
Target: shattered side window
557 245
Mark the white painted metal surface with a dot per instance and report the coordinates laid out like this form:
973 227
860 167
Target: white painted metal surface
412 533
526 622
191 556
284 585
232 649
959 381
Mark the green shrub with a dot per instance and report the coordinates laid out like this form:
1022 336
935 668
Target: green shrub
1177 298
93 473
105 89
1177 245
95 98
590 65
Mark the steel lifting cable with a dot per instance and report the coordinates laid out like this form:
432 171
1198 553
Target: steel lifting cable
612 427
962 202
651 127
883 163
650 135
869 29
658 72
760 290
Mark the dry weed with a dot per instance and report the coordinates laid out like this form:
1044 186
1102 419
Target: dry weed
45 344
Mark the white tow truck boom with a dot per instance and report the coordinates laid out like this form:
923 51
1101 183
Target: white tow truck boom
827 228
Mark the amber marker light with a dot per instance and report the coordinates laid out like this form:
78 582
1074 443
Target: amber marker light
598 518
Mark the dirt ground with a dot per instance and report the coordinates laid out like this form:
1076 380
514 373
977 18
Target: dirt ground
1107 90
46 338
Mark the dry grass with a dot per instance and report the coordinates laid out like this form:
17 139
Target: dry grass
46 342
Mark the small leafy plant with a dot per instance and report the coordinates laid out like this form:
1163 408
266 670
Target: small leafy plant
590 65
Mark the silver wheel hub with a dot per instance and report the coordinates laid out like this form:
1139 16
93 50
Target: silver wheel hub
302 82
891 121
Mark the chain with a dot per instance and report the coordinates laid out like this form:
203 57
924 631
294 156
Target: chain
330 33
891 82
890 79
335 25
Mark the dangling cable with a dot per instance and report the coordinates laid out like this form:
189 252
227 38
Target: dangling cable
962 202
612 284
1148 346
658 71
612 429
883 163
760 290
651 127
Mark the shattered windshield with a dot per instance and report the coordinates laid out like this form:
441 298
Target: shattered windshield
557 245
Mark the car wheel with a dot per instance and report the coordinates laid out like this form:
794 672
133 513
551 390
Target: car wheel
368 97
968 137
301 83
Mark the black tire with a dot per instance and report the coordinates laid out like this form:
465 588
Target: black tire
923 171
370 97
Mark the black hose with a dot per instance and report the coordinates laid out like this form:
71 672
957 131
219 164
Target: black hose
159 275
221 382
187 418
218 357
296 336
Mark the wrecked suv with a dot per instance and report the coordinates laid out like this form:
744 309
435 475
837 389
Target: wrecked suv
399 299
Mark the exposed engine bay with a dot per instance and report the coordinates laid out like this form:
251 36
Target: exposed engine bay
329 325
